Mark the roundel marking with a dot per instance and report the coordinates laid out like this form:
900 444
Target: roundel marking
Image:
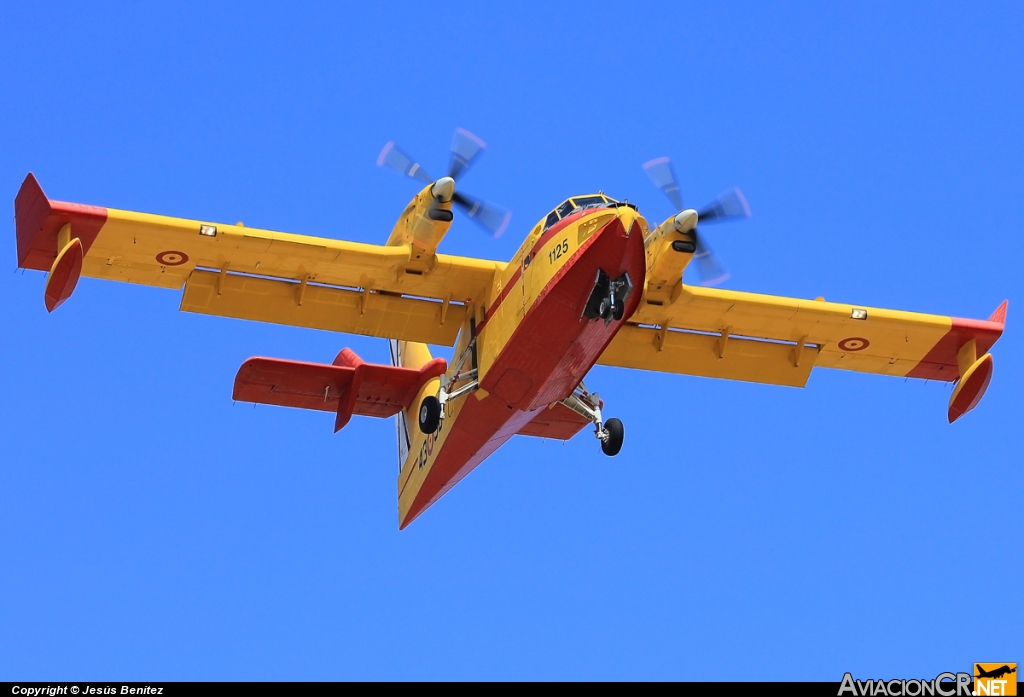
854 343
171 258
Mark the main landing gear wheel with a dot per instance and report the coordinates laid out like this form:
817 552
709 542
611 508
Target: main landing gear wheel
588 405
611 443
430 415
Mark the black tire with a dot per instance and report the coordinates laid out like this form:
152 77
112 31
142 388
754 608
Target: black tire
604 310
618 310
430 414
613 445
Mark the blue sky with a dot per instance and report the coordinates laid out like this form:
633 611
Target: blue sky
152 530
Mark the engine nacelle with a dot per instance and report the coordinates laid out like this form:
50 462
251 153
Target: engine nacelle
424 223
670 247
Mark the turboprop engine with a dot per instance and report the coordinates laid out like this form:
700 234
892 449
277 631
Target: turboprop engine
670 247
676 241
425 221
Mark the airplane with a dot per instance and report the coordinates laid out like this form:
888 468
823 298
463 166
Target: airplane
995 673
592 283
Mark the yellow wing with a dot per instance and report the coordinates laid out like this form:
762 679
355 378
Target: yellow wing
769 339
235 271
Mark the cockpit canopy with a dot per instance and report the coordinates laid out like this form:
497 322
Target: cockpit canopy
576 203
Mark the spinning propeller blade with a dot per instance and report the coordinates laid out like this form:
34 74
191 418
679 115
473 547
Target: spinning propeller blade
711 272
466 148
397 160
490 217
664 177
730 205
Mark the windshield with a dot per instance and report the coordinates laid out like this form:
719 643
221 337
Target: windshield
587 201
575 204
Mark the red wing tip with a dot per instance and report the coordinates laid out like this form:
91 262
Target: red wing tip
31 209
999 316
38 219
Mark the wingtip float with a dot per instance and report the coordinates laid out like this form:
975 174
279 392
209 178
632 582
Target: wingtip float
975 373
592 283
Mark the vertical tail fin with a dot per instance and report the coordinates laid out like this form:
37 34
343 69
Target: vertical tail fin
999 316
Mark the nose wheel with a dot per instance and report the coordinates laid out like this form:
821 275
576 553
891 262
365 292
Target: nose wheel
611 308
588 405
608 299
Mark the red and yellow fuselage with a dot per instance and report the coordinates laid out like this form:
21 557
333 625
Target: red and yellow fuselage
534 345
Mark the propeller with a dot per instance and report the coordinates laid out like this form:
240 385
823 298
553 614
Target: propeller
466 149
729 205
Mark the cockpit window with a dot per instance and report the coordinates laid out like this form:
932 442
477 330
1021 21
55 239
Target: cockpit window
585 201
577 203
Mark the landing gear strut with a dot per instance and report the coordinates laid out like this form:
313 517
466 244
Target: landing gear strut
588 405
432 408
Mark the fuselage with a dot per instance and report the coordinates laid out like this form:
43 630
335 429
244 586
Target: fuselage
534 344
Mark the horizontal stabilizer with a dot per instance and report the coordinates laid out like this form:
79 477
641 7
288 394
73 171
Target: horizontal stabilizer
348 386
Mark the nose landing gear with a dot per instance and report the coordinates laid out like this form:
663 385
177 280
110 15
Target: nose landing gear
588 405
608 299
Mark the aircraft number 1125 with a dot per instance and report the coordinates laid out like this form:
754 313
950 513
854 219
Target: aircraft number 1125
559 249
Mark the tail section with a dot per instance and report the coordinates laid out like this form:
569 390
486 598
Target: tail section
999 316
346 387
